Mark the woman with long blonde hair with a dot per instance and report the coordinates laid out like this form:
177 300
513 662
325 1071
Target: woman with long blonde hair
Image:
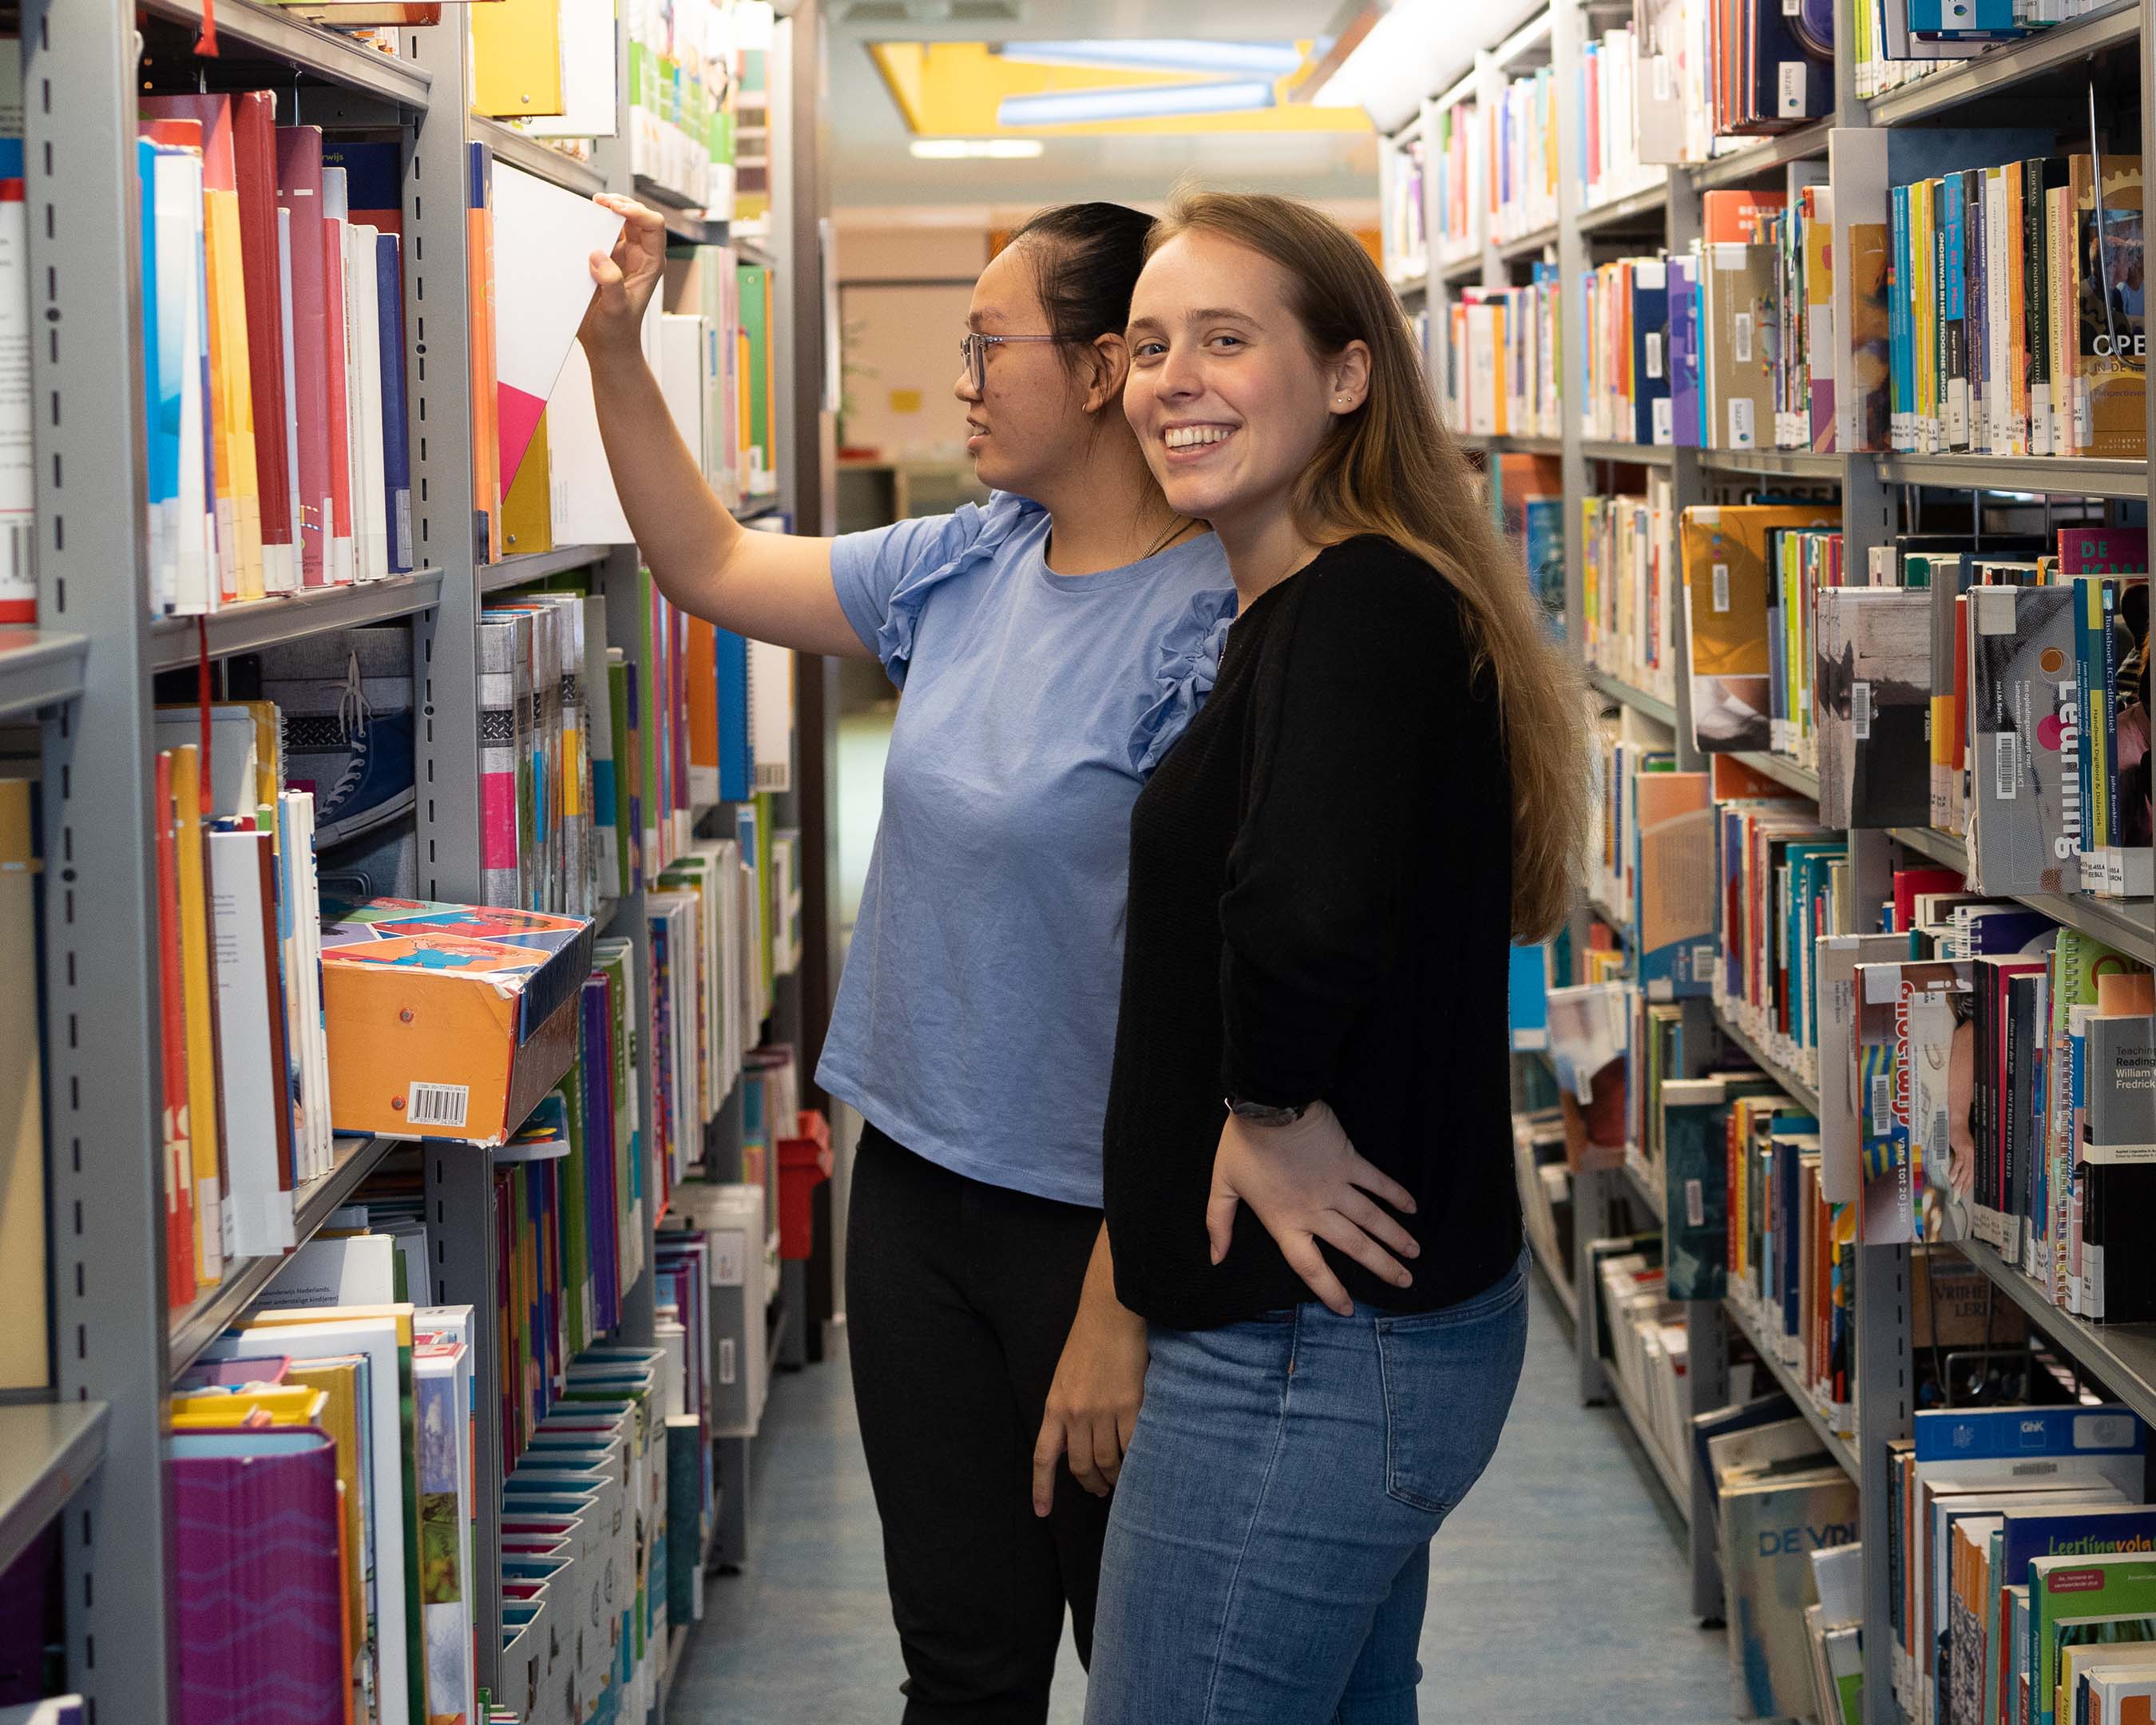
1388 786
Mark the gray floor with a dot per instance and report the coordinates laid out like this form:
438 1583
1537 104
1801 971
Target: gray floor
1558 1592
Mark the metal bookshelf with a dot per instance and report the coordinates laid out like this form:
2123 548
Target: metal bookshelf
97 1445
243 1285
39 667
2042 68
1637 699
178 642
1843 1450
537 565
1641 455
47 1450
1796 464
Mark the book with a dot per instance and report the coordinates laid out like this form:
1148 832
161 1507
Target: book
259 1578
25 1364
1727 583
300 198
251 1051
2025 827
1873 692
541 237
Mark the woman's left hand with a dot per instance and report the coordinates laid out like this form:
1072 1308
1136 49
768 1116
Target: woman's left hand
1306 1183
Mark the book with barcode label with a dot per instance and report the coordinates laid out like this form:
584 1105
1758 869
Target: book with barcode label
1871 703
448 1020
2025 812
1916 1029
1728 573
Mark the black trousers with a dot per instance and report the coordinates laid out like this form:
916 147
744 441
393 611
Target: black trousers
959 1297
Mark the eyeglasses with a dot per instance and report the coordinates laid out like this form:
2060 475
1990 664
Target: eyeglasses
973 348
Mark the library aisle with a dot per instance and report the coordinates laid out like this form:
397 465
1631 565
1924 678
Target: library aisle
1566 1554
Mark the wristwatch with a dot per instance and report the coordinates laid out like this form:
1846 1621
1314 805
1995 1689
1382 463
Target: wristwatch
1262 1114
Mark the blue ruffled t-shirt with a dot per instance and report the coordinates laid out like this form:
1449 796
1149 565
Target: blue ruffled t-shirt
976 1019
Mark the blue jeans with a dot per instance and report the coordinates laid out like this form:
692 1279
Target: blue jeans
1268 1560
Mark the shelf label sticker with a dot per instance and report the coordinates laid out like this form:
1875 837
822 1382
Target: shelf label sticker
729 1248
1792 89
438 1104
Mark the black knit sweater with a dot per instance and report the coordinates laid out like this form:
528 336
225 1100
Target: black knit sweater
1320 897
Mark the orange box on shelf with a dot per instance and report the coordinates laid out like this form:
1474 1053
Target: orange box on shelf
447 1021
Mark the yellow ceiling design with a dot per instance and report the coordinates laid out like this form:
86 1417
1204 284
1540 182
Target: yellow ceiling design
952 90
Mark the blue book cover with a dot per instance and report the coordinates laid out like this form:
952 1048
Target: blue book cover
1790 83
1541 520
396 430
1953 322
2003 1434
1529 1008
1652 422
1682 293
161 376
736 770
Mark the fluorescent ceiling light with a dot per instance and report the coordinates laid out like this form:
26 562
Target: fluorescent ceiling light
961 149
1165 53
1416 49
1161 101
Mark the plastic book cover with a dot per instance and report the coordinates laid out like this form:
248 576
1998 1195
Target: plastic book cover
2081 1601
1872 694
2111 380
1727 577
1917 1066
1770 1526
1684 352
1741 337
2026 795
1869 400
1674 909
1543 534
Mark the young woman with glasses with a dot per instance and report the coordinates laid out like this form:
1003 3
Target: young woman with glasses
1051 646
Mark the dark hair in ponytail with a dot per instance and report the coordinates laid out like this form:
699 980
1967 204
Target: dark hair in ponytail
1086 257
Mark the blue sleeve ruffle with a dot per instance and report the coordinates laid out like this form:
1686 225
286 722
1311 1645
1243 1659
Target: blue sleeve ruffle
960 552
1188 659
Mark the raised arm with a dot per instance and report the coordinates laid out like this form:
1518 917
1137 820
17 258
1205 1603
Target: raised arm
775 587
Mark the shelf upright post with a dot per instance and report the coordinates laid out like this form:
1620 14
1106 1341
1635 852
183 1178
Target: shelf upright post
625 623
459 1179
444 507
1592 1189
105 1179
1706 1322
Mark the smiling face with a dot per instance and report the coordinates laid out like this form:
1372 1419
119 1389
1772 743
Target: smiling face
1227 400
1030 422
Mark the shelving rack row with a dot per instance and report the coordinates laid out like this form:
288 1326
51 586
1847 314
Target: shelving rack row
1668 216
93 1452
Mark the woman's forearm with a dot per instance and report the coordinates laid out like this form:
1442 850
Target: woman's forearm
683 533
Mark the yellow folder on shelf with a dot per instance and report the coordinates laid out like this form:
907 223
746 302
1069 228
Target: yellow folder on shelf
516 57
260 1404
